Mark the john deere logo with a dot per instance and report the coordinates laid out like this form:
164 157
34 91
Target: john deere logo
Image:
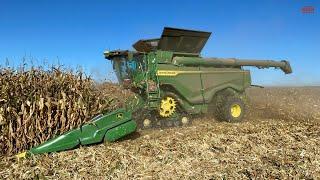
167 73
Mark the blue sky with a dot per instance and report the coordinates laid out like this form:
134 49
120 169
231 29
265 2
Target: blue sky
75 33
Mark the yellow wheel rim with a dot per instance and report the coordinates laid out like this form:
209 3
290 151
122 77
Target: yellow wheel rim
167 107
235 110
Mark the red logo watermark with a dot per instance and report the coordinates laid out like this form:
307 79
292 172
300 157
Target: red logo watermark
307 9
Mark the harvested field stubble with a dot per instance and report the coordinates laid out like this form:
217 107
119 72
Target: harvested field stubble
285 103
37 104
277 140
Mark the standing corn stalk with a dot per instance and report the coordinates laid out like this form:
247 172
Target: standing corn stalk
37 104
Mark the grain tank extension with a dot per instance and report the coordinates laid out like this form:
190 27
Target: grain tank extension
172 83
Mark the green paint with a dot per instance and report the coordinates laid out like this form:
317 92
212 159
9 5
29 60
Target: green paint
114 125
120 131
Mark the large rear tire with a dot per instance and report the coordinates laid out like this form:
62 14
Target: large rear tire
229 106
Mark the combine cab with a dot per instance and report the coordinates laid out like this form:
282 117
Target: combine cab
172 83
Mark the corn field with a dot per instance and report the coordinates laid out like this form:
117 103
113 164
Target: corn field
37 104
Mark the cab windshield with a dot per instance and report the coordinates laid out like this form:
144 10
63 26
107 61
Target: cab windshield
126 69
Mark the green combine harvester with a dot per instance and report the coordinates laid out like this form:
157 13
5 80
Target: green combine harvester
172 83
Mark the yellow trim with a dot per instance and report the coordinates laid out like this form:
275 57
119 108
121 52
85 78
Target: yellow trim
175 73
167 73
235 110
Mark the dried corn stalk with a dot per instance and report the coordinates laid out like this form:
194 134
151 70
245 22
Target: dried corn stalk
37 104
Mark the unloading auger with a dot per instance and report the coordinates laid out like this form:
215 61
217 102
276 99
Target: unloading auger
172 82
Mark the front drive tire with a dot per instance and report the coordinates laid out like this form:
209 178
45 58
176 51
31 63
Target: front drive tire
230 108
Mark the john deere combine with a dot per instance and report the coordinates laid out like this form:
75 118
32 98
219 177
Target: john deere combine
172 82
